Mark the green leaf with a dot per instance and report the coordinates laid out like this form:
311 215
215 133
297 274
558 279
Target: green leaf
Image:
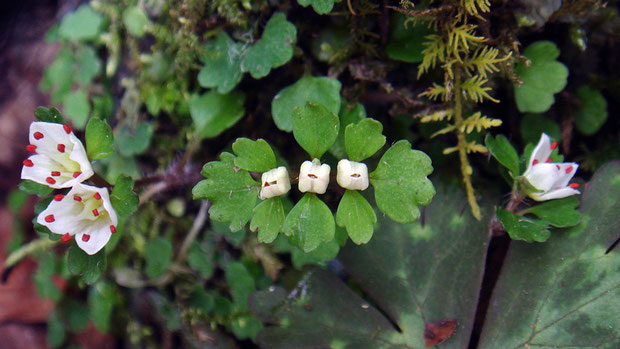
130 141
99 139
357 216
158 256
318 90
348 114
77 108
201 257
268 219
55 330
320 255
255 156
76 314
89 267
200 299
333 44
213 113
401 182
135 20
563 293
320 6
102 298
407 274
34 188
58 77
533 125
274 48
45 287
233 192
222 69
407 39
310 223
87 65
542 79
592 113
523 228
559 213
124 200
83 24
503 151
363 139
315 128
49 115
241 283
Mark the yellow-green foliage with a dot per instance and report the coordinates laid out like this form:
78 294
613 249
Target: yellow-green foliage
467 62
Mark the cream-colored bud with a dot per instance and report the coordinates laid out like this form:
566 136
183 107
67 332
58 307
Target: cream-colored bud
274 182
313 177
352 175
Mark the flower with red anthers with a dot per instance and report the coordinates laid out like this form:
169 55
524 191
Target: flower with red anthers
91 219
59 159
551 180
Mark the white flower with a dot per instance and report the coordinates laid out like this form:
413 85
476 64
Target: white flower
86 213
352 175
59 159
275 182
313 177
550 179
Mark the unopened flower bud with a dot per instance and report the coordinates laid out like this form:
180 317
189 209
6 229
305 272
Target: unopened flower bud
352 175
313 177
274 182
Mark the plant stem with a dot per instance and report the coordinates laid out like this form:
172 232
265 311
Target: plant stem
28 249
466 169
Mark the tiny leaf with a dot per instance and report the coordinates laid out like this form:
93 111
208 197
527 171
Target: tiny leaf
523 228
35 188
213 113
357 216
315 128
503 151
401 182
255 156
407 39
318 90
559 213
310 223
83 24
222 68
348 114
76 107
363 139
99 139
592 113
320 6
101 300
135 21
268 219
124 200
130 141
89 267
158 256
232 191
49 115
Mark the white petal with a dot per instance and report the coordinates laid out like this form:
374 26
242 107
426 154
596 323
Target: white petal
53 134
78 154
99 233
304 182
543 176
555 194
541 152
565 177
64 213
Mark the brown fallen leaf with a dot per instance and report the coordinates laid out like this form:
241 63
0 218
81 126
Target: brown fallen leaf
436 333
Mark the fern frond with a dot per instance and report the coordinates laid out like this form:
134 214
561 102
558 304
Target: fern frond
474 89
435 92
450 150
434 50
479 122
484 61
473 147
438 116
444 130
474 6
460 38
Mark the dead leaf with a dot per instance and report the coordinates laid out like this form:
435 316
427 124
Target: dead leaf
436 333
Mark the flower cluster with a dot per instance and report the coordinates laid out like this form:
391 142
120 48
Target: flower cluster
59 161
550 180
314 178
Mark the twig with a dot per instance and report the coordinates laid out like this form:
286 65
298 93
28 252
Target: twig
28 249
199 222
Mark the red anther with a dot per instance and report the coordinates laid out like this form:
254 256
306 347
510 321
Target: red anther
49 218
97 196
55 173
574 185
95 213
76 174
28 163
113 229
61 148
535 162
31 148
554 145
58 197
85 237
37 135
50 180
77 198
548 160
558 167
65 237
569 169
67 128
